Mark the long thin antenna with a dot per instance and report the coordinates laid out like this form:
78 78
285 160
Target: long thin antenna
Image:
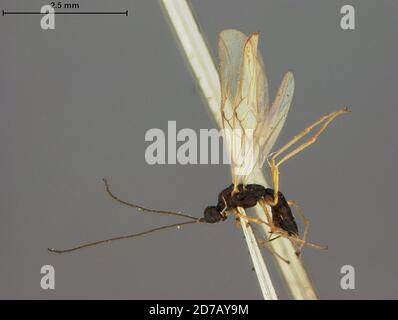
141 208
129 236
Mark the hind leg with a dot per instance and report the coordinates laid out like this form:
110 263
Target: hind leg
278 232
306 225
274 164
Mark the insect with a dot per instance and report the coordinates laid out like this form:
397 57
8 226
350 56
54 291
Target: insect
250 127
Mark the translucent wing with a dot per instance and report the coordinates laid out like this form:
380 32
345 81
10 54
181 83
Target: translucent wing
244 86
244 99
269 130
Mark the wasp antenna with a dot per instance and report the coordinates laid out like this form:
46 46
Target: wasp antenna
141 208
129 236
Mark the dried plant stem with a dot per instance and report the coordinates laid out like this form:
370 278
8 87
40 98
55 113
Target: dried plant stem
196 51
263 276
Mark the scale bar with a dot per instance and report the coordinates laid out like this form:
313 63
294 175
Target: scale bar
125 13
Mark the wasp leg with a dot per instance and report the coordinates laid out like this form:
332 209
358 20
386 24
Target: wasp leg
250 218
263 242
274 165
269 239
274 230
270 223
226 206
266 243
299 241
235 189
306 225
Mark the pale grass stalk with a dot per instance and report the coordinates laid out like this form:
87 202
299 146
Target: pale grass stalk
196 51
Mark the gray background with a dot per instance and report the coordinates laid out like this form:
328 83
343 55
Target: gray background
75 104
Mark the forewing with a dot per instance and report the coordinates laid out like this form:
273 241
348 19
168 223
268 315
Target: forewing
244 104
230 48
